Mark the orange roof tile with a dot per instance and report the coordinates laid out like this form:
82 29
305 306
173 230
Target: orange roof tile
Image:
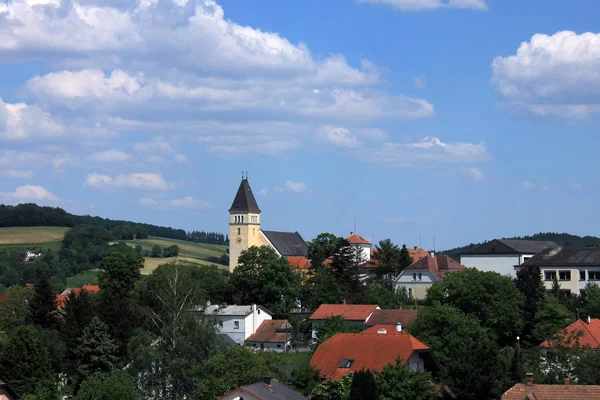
355 238
91 288
61 300
586 334
369 351
391 317
416 253
267 332
350 312
437 265
299 262
523 391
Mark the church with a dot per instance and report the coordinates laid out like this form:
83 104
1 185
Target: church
245 231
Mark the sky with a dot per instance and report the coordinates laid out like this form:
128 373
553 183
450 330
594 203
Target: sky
459 120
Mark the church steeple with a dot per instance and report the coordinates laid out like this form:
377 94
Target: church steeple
244 201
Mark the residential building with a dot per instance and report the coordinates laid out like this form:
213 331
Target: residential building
237 322
531 391
392 317
573 267
361 244
269 389
353 313
245 229
585 334
61 299
415 252
348 352
501 255
272 335
418 277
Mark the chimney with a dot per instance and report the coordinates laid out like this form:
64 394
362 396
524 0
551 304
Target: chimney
267 380
529 378
344 301
567 381
240 382
398 326
415 247
589 319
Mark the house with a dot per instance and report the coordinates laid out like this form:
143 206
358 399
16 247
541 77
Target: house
420 275
573 267
361 244
274 335
385 329
30 255
353 313
6 393
501 255
245 229
348 352
237 322
580 333
61 299
392 317
269 389
531 391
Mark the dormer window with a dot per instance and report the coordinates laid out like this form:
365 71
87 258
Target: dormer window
346 363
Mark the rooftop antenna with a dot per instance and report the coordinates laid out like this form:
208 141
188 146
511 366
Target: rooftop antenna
420 245
434 244
242 175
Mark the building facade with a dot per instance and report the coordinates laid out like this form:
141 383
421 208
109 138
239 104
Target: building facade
238 322
418 277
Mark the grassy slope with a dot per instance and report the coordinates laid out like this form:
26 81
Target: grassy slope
186 249
31 235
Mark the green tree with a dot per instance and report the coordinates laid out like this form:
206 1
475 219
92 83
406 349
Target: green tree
384 296
590 301
138 249
405 259
42 307
24 362
529 283
333 325
305 378
141 232
322 247
78 312
325 289
550 318
399 382
363 386
345 268
171 251
114 385
157 251
15 309
387 255
96 352
333 389
488 297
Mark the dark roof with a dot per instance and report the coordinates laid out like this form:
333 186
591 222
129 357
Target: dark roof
513 246
275 391
560 256
436 265
391 317
271 331
244 200
287 243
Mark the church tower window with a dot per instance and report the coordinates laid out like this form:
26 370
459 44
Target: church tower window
239 231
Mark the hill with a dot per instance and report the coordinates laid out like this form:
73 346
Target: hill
562 239
42 237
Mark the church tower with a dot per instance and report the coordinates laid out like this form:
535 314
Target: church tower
244 223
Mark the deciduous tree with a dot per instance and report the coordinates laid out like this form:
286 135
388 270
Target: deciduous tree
399 382
114 385
363 386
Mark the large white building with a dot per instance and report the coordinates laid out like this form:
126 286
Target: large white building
502 255
237 322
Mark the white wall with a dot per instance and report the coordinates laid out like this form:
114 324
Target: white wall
254 320
229 327
416 363
502 263
268 346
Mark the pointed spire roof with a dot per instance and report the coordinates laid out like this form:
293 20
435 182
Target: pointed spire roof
244 199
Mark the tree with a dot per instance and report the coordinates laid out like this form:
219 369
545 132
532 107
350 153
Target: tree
305 378
333 389
345 268
15 309
550 318
333 325
529 283
399 382
42 307
325 289
363 386
96 352
387 255
156 251
138 249
171 251
322 247
487 296
384 296
141 232
77 314
24 362
590 301
405 259
114 385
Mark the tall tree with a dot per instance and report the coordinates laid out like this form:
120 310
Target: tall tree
388 256
325 290
114 385
333 389
405 259
399 382
15 309
77 314
345 268
322 247
96 352
590 301
529 283
42 307
363 386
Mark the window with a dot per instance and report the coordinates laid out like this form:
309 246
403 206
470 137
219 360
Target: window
221 324
409 292
239 231
258 312
549 275
254 231
242 219
564 275
278 346
420 277
582 275
526 258
236 324
414 276
414 365
594 275
346 363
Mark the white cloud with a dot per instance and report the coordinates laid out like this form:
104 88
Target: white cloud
156 145
337 136
16 174
474 173
145 181
296 187
429 150
419 5
419 82
551 76
12 158
30 193
186 202
22 122
110 156
528 185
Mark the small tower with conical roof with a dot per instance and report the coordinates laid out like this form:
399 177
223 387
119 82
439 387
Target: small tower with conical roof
244 222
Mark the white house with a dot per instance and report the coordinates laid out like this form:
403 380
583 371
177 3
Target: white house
420 275
361 243
238 322
502 255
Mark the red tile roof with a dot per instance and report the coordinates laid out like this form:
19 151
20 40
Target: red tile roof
586 334
296 262
370 351
267 332
383 329
417 253
391 317
61 299
523 391
437 265
355 238
350 312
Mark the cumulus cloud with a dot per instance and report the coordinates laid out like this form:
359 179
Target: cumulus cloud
296 187
474 173
420 5
23 122
110 156
186 202
428 150
16 174
29 193
551 76
144 181
338 136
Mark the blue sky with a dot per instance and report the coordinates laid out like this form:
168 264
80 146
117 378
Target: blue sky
461 119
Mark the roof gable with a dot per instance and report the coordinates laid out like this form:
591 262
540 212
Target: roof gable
437 265
582 333
244 200
560 256
513 246
287 243
355 238
350 312
272 331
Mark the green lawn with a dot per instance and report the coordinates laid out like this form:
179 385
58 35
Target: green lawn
199 251
83 278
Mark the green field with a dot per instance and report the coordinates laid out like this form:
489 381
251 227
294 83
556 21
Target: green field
186 249
83 278
150 263
38 236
